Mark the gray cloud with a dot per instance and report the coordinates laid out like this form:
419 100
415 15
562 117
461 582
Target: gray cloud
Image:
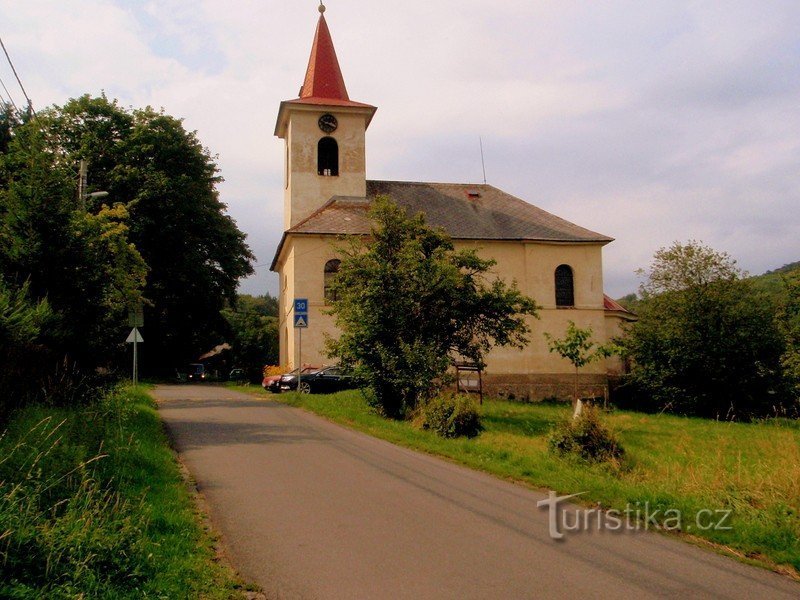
649 122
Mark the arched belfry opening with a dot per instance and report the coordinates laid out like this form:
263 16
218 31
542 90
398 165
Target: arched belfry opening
328 157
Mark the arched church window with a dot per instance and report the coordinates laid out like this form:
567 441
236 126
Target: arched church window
331 269
328 157
565 287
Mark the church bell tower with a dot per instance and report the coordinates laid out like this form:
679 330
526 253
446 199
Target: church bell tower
324 134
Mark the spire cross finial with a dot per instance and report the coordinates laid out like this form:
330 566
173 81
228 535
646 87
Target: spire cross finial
321 7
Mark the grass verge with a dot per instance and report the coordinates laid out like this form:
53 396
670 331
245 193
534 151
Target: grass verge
671 462
93 504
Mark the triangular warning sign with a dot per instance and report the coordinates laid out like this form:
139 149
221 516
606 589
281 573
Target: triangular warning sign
134 336
301 321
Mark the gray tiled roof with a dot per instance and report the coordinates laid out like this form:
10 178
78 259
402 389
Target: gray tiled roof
465 211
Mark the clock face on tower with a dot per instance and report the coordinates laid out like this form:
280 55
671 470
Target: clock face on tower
328 123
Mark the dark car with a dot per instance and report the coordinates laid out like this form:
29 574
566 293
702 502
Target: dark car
285 382
195 372
324 381
238 375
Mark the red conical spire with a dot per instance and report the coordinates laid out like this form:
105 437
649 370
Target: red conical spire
324 84
323 76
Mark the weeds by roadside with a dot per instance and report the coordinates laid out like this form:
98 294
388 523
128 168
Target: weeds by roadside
92 505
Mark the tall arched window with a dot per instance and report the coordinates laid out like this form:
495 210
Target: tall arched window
328 157
331 269
565 288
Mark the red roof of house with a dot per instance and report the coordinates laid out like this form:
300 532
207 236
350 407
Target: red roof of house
611 304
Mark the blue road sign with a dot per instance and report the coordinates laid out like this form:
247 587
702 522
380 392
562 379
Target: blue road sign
300 321
301 306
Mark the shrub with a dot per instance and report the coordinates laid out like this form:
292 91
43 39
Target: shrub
587 437
450 416
273 370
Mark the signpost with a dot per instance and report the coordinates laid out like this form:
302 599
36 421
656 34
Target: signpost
135 338
300 323
135 320
136 317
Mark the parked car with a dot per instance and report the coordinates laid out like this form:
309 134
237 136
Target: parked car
288 381
272 383
195 372
324 381
238 375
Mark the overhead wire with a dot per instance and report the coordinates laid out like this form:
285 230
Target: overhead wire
8 94
19 81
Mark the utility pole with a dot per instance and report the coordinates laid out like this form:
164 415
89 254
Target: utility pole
82 180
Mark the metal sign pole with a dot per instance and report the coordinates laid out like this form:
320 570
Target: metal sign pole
300 359
135 356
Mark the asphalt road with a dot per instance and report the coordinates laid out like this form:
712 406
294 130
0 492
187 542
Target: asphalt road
309 509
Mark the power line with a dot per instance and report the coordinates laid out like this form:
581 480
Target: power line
9 95
19 81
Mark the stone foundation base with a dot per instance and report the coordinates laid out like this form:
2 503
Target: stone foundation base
535 388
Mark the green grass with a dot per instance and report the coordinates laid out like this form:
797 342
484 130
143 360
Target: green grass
671 462
93 504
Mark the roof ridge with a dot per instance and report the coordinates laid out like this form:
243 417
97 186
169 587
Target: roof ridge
397 181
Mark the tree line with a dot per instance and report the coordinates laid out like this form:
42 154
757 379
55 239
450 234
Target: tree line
710 342
71 268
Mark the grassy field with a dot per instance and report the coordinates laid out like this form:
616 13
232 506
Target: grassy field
671 463
92 504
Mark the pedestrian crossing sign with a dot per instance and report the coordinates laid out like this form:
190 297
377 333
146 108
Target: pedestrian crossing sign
300 321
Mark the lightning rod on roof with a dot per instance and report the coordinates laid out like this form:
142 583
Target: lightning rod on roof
321 7
483 163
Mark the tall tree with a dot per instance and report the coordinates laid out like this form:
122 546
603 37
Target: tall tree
409 305
705 342
167 180
82 263
254 326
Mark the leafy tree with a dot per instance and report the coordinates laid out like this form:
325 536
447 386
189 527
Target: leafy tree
254 325
21 323
705 342
21 320
82 263
167 180
788 320
408 305
578 348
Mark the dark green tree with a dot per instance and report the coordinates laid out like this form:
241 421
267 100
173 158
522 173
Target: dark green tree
409 305
82 263
705 343
788 320
167 180
254 327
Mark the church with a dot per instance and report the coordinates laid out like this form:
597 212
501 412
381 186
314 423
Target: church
327 195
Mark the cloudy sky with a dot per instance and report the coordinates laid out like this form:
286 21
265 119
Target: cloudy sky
647 121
